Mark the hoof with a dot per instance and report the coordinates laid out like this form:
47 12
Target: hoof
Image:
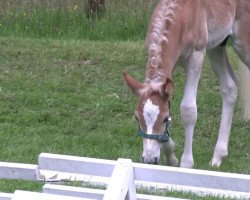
218 157
216 162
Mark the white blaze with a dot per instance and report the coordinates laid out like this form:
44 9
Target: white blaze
150 113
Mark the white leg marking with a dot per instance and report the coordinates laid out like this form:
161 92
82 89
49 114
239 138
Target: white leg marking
188 106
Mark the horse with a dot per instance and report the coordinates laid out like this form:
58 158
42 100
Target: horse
187 30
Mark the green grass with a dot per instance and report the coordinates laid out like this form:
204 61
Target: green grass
68 97
175 194
50 84
62 93
11 186
123 20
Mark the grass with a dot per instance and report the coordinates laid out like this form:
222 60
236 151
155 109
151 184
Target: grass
45 89
61 89
123 20
68 97
175 194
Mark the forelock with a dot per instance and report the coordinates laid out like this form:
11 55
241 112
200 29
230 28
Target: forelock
152 87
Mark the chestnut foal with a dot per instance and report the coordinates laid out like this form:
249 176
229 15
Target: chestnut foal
185 30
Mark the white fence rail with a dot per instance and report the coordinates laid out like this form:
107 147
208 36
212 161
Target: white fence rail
19 171
121 177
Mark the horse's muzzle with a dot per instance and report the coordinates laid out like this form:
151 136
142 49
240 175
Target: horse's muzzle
154 161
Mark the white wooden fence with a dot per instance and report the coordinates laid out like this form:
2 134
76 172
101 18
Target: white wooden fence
121 178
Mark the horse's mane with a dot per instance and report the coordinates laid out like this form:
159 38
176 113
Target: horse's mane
157 35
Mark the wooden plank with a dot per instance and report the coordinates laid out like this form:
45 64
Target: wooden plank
196 181
92 193
199 191
74 191
200 182
5 196
150 173
24 195
74 164
131 188
118 187
192 177
19 171
152 197
60 177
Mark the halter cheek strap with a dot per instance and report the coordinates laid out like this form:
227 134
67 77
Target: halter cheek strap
164 137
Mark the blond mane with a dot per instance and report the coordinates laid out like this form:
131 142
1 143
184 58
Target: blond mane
157 35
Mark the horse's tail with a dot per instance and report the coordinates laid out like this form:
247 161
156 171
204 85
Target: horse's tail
244 74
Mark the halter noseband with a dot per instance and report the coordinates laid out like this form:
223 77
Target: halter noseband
164 137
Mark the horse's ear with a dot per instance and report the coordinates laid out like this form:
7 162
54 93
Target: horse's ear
168 87
133 84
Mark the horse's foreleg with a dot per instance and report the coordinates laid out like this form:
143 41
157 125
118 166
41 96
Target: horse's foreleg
220 63
188 106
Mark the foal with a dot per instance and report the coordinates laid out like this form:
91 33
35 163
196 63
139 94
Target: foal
186 30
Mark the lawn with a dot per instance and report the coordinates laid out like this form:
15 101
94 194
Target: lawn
61 88
68 97
122 20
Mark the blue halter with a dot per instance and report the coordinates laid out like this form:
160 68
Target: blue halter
163 137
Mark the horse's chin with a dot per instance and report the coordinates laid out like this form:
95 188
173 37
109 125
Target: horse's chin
151 161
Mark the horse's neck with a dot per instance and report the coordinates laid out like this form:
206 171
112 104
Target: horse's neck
170 53
163 41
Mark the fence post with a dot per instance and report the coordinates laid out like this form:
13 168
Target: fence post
121 185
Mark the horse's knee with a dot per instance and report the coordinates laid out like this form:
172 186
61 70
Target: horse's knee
229 92
188 113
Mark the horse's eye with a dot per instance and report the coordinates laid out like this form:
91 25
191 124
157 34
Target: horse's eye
167 119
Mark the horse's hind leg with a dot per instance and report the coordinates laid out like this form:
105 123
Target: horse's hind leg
241 32
221 66
241 45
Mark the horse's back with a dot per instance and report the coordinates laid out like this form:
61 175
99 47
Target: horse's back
205 23
219 19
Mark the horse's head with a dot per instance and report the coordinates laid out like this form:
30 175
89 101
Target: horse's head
152 113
